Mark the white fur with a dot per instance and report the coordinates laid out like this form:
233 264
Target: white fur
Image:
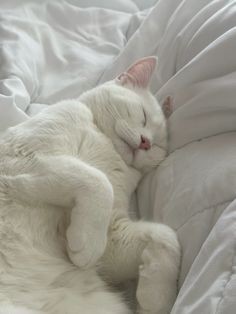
66 178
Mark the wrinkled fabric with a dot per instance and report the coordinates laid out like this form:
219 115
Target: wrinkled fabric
51 50
194 192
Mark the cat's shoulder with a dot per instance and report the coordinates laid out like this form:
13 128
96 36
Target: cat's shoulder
71 110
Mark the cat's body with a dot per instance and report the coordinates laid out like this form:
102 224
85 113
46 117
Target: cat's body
66 180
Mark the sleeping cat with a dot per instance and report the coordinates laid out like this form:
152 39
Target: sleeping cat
66 179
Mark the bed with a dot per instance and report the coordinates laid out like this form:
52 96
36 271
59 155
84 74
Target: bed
52 50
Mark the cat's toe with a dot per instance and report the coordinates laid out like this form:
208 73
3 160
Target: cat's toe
84 249
80 260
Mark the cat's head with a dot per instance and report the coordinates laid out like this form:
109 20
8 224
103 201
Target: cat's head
126 111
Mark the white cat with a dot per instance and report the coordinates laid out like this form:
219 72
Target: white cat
66 179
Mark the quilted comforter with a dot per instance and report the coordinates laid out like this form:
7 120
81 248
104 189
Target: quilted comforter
51 50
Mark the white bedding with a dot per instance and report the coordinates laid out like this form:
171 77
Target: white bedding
50 50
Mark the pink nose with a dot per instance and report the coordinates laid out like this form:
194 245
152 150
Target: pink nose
145 143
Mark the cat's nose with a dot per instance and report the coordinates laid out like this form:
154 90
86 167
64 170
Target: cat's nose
144 143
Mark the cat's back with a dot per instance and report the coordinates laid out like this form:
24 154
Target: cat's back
57 130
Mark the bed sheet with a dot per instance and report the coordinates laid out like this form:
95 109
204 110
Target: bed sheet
57 49
194 189
194 192
51 50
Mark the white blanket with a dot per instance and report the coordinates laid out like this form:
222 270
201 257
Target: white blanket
52 50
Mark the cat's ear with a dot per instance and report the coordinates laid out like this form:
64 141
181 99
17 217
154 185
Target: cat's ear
167 107
139 74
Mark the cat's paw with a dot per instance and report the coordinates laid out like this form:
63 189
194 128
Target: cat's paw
85 246
158 273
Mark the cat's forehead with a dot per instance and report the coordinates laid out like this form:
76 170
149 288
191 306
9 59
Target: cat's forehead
120 91
130 96
135 98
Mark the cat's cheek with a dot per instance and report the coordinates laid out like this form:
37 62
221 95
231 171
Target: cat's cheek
124 151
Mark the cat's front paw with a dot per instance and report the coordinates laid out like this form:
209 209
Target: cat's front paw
85 247
158 273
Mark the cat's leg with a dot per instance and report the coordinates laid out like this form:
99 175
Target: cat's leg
68 182
10 309
158 273
149 251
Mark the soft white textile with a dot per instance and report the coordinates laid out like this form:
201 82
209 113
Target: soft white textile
57 49
194 192
51 50
194 189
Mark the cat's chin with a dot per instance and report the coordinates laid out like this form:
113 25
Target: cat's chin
145 161
142 160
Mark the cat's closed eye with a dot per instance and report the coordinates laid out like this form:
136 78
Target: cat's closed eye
145 118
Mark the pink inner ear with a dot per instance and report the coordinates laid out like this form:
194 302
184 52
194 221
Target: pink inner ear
140 73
